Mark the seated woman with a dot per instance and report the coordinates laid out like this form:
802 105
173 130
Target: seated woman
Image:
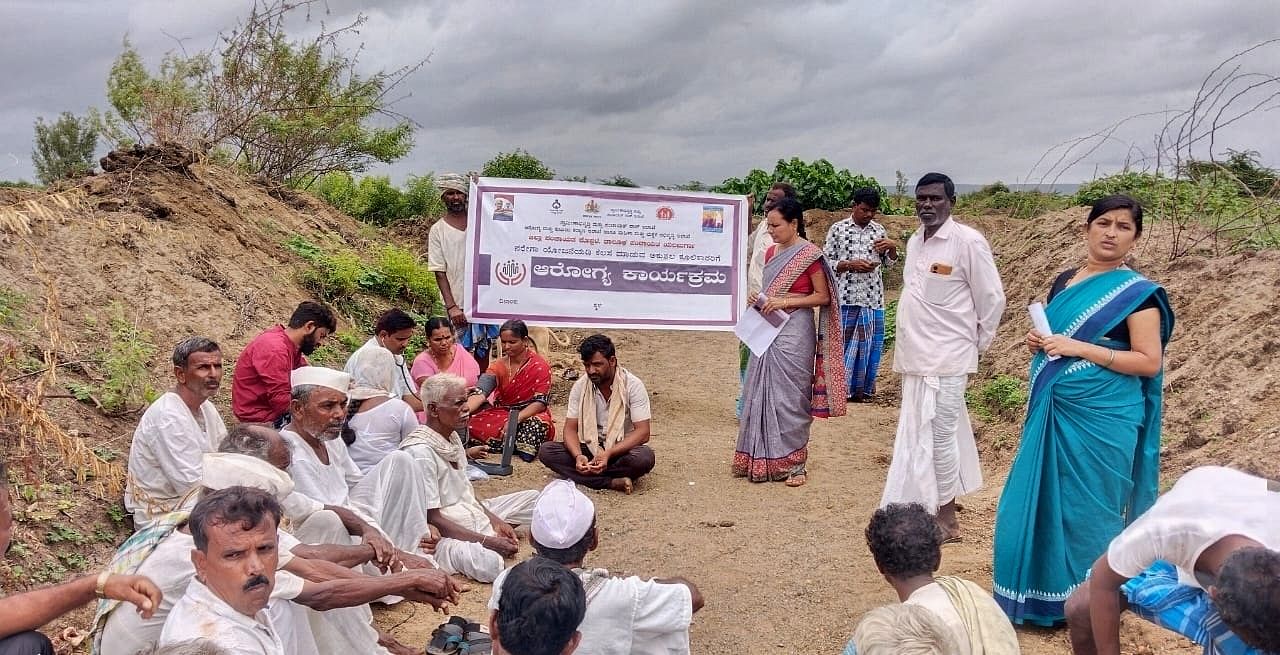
377 418
443 355
522 381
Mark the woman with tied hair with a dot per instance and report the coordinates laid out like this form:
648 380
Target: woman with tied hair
520 380
1089 457
443 354
801 375
377 419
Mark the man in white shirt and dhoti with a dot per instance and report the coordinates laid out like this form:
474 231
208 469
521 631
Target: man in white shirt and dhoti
950 306
174 433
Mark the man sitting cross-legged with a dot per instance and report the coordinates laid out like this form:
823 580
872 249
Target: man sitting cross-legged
606 424
324 473
906 543
624 615
174 433
318 604
1204 561
475 535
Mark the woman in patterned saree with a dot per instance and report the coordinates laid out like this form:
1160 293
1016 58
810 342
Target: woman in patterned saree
801 375
1089 458
523 383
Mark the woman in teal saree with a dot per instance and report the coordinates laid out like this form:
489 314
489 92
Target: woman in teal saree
1089 457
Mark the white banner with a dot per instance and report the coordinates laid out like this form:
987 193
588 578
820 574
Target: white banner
566 254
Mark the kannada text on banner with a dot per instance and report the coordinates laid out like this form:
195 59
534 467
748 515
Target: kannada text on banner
564 254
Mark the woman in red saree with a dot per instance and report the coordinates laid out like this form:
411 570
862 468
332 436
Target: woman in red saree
523 383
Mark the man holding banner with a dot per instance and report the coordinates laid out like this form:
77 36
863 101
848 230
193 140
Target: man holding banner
446 257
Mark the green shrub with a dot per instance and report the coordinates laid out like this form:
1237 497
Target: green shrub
818 184
517 164
124 363
998 198
374 200
405 275
396 274
64 148
890 325
1004 396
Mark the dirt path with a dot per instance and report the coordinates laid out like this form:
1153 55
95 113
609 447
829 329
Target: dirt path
783 570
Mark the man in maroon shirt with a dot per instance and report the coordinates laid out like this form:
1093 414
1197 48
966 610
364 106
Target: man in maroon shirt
260 384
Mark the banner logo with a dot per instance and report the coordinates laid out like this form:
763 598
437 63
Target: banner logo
510 272
592 207
666 213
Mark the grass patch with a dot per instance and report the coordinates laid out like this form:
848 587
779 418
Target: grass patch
395 274
1004 396
11 306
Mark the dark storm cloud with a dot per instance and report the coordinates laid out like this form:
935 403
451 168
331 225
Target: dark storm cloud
668 91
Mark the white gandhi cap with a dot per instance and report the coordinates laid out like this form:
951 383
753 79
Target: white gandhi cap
562 515
320 376
223 470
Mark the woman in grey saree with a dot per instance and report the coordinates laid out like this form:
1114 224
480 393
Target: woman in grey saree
801 375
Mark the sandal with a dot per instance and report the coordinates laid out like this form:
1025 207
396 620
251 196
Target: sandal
477 643
446 639
797 480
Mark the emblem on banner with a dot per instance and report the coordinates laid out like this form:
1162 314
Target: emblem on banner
592 207
510 272
666 213
504 207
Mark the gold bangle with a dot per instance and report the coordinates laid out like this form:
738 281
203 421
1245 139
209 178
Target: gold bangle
100 587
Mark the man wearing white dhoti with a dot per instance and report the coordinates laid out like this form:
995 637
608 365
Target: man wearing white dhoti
175 431
950 306
476 535
324 472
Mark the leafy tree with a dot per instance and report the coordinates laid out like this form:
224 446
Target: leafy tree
618 180
517 164
288 110
818 184
64 148
373 199
1242 166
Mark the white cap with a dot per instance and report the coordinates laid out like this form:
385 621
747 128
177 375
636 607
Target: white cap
562 515
320 376
222 470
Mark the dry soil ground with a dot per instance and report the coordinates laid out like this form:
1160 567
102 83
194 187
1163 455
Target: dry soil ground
783 570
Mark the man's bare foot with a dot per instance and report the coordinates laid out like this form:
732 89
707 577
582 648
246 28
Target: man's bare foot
625 485
394 646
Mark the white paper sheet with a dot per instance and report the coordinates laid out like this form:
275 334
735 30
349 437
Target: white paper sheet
1040 321
758 330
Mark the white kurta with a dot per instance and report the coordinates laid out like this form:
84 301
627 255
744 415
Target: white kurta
403 381
379 431
382 497
164 458
628 616
448 489
202 615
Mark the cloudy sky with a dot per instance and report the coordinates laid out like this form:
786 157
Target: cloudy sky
665 91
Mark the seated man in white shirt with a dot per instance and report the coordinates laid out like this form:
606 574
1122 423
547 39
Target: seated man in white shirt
476 535
906 543
235 556
541 609
606 425
324 472
624 615
1204 561
175 431
318 606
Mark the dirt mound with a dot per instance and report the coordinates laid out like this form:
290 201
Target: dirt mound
1221 375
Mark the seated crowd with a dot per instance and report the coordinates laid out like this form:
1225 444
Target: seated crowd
342 488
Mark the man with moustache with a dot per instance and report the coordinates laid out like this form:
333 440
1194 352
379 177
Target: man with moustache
606 426
174 433
948 312
260 385
447 256
235 557
324 473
